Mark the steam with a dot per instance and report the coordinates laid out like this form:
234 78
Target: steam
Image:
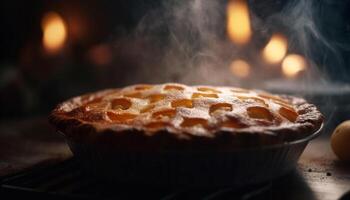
304 19
305 37
189 34
186 41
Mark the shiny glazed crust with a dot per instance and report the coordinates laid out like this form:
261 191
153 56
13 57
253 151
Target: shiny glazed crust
176 117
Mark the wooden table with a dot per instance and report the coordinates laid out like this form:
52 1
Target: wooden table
319 175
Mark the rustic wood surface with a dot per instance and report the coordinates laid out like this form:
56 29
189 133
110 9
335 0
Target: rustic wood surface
327 177
319 175
26 143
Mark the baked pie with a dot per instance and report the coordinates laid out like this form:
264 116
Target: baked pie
177 117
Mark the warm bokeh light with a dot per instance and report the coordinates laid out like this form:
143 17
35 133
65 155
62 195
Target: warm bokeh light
238 22
240 68
292 65
100 54
276 49
54 32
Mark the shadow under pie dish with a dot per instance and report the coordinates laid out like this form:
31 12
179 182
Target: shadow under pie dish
187 135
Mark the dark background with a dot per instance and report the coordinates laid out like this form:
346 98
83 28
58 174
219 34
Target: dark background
100 52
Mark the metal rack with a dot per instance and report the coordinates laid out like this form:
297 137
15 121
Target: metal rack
67 181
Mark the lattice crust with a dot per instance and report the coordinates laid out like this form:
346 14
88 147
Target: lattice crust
187 111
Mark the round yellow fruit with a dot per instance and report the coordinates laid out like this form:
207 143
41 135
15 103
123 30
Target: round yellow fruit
340 141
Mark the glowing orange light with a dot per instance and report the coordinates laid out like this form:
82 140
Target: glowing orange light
240 68
54 32
101 54
292 65
276 49
238 22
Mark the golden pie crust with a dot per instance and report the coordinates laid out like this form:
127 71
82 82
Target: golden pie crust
179 117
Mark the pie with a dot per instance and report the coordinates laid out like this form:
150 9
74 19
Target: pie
177 117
